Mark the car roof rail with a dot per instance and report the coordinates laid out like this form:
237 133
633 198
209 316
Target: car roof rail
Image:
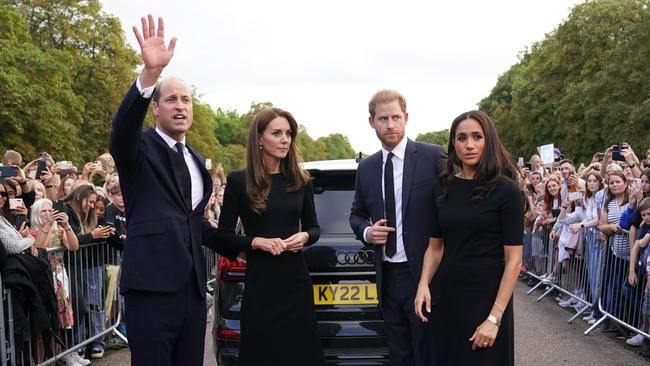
359 158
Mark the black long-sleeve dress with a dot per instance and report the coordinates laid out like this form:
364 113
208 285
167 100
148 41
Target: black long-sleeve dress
474 234
278 320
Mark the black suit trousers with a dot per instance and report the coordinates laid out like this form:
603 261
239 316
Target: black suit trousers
166 329
408 337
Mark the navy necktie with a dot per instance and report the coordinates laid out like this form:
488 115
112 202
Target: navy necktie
389 205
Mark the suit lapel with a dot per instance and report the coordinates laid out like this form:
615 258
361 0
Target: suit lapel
376 185
410 158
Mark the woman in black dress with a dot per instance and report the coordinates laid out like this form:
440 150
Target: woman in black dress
480 231
275 201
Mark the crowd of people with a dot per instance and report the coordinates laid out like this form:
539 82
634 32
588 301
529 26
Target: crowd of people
48 209
577 215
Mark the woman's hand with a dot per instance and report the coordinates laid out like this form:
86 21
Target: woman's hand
274 246
632 278
484 335
24 231
296 241
101 232
20 210
574 228
241 257
61 218
46 176
423 297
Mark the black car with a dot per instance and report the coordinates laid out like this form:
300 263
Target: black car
342 272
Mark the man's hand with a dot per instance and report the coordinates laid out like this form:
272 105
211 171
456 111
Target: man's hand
378 233
152 47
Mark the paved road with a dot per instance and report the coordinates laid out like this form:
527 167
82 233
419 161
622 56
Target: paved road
543 337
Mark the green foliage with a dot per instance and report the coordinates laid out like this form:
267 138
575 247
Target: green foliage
64 69
336 146
232 128
66 66
435 137
201 136
39 105
232 133
584 87
310 149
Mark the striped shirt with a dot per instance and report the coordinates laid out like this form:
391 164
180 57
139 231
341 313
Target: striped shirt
620 242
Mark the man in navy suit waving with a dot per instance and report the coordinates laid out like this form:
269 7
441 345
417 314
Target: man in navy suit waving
166 187
393 208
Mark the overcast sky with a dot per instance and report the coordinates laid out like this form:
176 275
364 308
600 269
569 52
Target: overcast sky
323 60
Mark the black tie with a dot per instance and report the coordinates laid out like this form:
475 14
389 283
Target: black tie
184 175
389 204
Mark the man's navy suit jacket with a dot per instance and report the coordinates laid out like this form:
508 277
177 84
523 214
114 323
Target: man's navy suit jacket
422 165
164 237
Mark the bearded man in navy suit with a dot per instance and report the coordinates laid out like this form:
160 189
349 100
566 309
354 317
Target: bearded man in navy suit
393 209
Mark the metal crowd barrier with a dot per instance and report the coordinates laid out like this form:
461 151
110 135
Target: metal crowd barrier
620 303
593 277
537 258
91 276
578 277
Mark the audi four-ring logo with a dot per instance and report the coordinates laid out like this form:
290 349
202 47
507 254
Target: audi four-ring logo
355 257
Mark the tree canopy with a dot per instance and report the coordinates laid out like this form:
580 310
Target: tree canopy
435 137
64 68
585 87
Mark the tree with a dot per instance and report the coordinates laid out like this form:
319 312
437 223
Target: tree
583 88
39 109
435 137
100 64
310 149
336 146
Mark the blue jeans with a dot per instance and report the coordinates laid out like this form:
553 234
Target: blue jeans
593 251
615 277
94 292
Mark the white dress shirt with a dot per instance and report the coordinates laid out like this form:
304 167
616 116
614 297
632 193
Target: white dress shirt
195 174
399 152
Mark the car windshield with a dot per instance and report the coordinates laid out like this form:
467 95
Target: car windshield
334 192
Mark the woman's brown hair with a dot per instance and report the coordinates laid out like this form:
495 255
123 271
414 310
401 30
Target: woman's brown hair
609 197
601 185
548 199
75 200
258 181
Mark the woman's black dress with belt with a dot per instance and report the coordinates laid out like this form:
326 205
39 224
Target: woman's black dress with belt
278 320
474 234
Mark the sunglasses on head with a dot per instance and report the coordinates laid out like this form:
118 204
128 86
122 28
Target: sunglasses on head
4 194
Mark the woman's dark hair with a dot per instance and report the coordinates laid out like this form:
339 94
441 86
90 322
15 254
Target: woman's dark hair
258 182
495 162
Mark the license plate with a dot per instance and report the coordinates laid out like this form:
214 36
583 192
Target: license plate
345 294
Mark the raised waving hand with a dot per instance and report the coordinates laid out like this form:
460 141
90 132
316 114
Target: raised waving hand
155 54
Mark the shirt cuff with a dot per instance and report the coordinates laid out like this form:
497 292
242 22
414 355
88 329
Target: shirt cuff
146 92
365 234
